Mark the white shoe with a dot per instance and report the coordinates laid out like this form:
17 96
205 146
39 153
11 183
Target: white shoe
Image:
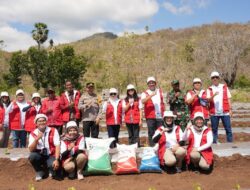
80 176
39 175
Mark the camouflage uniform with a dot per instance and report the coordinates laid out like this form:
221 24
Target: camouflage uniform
179 108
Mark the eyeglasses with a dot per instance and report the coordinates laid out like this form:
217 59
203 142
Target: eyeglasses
112 94
196 83
215 77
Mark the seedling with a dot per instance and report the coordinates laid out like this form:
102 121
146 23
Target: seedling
71 188
197 187
151 188
237 186
31 187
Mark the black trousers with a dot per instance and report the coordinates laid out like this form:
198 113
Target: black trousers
133 133
153 125
113 131
90 127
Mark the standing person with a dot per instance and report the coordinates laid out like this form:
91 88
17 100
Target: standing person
133 118
17 119
197 100
4 119
69 104
31 111
44 147
220 107
113 112
199 138
91 114
51 107
168 137
176 100
73 151
152 99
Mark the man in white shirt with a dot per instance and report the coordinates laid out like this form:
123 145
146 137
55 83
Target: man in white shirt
220 107
152 99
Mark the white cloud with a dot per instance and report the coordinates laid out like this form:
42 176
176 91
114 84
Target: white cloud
73 19
185 6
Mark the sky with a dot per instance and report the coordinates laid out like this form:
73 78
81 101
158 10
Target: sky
72 20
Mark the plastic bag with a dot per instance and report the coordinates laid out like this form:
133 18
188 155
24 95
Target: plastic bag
150 161
98 156
126 159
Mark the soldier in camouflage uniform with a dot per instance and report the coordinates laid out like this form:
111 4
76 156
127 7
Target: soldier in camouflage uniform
176 100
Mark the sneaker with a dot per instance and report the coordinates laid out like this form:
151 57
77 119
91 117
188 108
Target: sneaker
178 170
39 175
50 174
80 176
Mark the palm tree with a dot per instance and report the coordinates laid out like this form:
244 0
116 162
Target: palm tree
40 34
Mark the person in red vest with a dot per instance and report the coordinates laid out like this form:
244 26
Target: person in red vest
73 152
69 104
199 138
168 137
131 106
152 99
113 112
197 100
4 119
44 147
220 107
31 111
17 119
51 107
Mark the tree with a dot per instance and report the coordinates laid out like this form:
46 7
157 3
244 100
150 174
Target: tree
40 34
223 50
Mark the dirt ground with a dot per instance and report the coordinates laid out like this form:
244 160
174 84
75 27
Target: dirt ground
227 173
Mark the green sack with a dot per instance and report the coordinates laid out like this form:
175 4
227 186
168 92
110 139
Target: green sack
98 156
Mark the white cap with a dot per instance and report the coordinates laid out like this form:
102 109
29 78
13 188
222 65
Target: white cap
36 95
113 90
40 115
151 79
214 74
19 91
130 86
197 80
168 114
71 124
4 93
198 114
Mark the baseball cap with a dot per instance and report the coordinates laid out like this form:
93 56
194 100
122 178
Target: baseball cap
175 82
4 93
214 74
151 79
197 80
19 91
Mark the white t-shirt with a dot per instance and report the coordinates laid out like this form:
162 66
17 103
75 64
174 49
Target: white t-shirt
171 137
81 146
44 141
218 99
156 99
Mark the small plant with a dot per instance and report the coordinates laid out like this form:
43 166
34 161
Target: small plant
31 187
237 186
151 188
197 186
71 188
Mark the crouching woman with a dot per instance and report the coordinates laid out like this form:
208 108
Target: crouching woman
44 146
200 139
169 137
73 153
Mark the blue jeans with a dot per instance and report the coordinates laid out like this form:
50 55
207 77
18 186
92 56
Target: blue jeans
19 138
227 126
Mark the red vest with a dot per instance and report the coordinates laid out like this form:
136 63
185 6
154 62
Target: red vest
30 116
207 153
132 115
2 112
65 104
149 108
110 117
15 118
225 101
195 106
76 148
55 117
162 144
52 147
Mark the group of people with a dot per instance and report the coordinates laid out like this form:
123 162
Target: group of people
185 121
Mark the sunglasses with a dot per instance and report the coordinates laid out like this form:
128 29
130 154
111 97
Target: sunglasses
41 121
215 77
112 94
196 83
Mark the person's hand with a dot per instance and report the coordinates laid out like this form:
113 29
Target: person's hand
49 110
56 164
72 104
216 93
153 93
194 150
33 104
131 101
140 123
97 121
177 94
40 135
175 147
231 113
1 126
